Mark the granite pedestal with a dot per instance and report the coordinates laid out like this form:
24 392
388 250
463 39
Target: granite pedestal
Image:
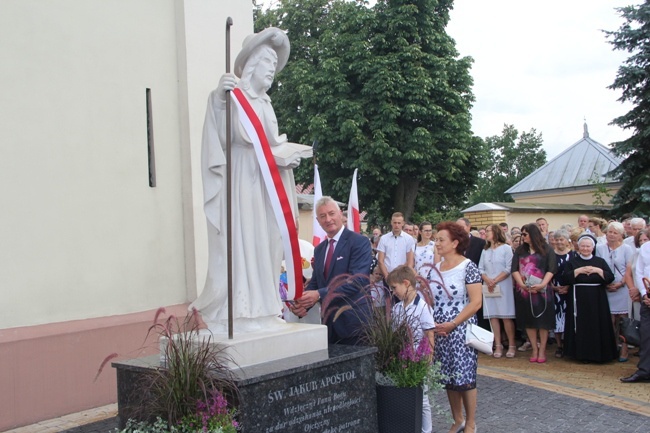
316 393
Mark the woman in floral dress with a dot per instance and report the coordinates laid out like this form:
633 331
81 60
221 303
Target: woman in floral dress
456 287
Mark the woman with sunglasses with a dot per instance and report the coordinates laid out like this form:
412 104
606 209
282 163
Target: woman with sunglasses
533 267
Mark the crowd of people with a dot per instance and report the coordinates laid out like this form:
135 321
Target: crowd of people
532 276
570 286
574 282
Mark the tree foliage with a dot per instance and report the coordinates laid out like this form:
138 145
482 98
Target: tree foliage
510 158
633 79
380 89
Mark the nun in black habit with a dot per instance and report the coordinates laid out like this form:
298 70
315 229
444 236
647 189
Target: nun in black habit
589 334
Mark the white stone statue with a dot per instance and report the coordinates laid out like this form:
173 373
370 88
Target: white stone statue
257 247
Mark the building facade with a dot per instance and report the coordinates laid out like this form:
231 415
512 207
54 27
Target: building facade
102 113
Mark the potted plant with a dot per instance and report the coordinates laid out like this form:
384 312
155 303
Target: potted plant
189 391
402 371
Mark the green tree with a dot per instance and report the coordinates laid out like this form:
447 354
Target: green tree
510 158
601 194
633 79
380 89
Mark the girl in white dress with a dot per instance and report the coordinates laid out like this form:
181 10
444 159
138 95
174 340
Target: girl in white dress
425 250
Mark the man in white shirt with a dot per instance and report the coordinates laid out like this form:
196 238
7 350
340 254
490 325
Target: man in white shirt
642 373
395 248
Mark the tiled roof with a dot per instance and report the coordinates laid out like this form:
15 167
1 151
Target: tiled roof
584 163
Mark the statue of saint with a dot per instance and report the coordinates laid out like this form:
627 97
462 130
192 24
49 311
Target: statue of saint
257 249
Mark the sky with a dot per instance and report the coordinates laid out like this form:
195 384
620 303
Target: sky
544 65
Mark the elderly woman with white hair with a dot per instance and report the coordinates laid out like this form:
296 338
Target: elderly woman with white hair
563 255
588 332
618 256
636 225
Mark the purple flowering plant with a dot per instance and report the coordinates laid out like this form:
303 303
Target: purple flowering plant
212 415
411 366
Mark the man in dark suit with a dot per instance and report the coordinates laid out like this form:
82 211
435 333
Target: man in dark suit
473 252
476 245
345 306
642 374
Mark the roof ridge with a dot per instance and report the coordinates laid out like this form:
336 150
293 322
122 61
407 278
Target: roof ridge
559 161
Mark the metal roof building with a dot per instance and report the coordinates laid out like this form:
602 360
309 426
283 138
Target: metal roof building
561 190
579 167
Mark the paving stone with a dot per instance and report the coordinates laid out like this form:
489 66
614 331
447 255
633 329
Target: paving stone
522 408
569 399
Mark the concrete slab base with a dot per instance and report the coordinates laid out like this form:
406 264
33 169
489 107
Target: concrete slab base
252 348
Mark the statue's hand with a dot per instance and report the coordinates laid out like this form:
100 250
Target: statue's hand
227 82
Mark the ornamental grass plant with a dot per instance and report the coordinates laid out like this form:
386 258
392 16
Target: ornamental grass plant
189 391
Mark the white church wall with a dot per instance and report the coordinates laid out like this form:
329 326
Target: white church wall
88 250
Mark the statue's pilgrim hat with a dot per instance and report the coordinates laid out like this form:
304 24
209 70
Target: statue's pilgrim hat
273 38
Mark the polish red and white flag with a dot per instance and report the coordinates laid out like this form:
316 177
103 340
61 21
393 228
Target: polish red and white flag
354 221
318 232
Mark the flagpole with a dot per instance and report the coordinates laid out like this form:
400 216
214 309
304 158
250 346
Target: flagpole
229 183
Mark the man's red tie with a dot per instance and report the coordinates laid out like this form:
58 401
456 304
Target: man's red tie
328 259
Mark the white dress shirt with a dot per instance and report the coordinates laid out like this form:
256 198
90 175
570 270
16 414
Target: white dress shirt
643 266
395 249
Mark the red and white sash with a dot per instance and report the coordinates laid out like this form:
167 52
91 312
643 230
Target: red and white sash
277 194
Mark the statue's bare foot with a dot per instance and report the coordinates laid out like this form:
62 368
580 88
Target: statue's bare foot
200 324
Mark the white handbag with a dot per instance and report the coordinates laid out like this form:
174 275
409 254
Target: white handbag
495 294
479 338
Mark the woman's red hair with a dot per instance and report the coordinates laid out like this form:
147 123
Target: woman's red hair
456 233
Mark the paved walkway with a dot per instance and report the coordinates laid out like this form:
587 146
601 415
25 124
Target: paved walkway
514 396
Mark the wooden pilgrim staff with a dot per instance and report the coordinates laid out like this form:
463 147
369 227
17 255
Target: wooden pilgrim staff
229 182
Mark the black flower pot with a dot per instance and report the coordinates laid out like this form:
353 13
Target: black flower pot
399 409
